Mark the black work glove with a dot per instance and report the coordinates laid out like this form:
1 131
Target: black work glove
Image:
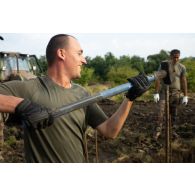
33 116
140 85
166 67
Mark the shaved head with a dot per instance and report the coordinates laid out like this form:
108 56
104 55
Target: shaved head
59 41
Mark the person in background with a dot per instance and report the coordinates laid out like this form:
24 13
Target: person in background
177 90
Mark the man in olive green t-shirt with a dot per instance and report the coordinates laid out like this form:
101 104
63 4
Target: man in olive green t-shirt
178 84
61 140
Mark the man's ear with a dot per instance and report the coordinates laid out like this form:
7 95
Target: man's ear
61 53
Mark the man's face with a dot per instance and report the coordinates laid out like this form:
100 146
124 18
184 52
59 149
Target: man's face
175 58
74 59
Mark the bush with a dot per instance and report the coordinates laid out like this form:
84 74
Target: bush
190 66
87 76
11 141
119 75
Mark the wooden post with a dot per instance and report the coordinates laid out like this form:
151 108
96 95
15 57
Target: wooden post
168 129
1 135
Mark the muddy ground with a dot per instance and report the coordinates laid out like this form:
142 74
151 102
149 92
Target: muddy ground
135 142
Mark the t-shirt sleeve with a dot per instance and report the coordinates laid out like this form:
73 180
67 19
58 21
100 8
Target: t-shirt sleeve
183 71
14 88
95 115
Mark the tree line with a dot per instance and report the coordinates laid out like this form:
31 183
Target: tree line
116 70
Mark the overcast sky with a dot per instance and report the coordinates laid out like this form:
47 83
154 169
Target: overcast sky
101 43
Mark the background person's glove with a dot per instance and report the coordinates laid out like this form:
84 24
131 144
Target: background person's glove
140 85
156 97
34 116
185 100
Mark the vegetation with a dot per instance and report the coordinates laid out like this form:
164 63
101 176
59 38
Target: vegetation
115 70
190 66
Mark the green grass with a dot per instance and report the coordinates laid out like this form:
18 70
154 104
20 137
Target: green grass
11 141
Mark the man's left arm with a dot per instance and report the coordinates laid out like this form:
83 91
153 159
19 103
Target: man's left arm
112 126
184 84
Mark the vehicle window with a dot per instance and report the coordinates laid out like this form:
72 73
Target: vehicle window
10 63
23 64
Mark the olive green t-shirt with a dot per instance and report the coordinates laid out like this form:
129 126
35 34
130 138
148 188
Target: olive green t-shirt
176 72
63 141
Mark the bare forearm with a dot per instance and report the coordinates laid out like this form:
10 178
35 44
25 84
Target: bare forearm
157 86
185 87
9 103
111 127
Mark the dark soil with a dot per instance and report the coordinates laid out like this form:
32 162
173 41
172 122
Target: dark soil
135 142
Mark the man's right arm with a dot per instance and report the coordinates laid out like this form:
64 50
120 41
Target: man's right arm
33 115
11 94
14 98
9 103
157 82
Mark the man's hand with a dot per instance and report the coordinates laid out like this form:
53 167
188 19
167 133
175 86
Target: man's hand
33 115
156 97
140 85
185 100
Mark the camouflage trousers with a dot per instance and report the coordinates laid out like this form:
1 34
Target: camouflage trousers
174 102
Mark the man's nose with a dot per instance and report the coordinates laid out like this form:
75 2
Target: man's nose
84 61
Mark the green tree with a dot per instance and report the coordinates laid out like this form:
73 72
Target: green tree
110 59
124 61
119 75
153 61
87 76
138 63
190 66
100 67
43 63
